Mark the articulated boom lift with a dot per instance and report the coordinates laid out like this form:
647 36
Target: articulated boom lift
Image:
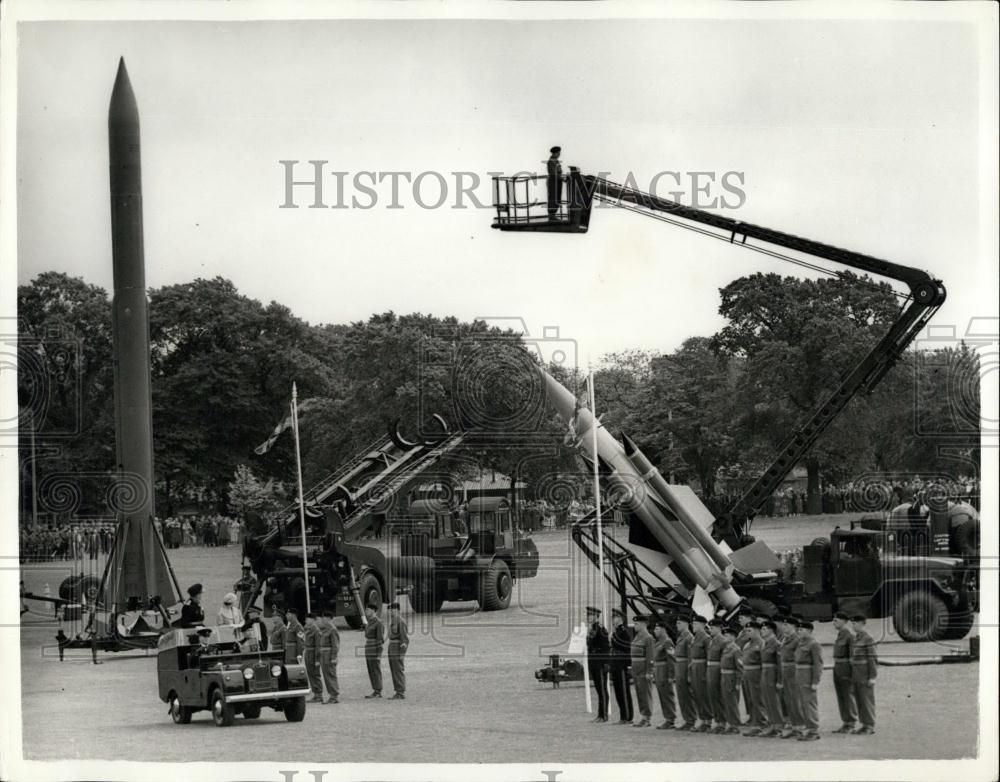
565 206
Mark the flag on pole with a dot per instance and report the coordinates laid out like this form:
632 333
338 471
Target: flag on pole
265 446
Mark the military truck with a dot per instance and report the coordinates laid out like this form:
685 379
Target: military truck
859 570
358 552
442 558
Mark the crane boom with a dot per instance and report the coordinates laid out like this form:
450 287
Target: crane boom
925 296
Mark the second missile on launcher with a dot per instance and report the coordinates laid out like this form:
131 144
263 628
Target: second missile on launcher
697 558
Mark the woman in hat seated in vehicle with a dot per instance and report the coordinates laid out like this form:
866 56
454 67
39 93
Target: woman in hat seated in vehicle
230 613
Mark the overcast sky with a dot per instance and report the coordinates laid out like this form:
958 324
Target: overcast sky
860 134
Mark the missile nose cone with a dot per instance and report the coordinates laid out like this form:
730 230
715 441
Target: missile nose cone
123 109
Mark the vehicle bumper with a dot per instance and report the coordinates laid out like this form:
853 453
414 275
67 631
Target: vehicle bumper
267 696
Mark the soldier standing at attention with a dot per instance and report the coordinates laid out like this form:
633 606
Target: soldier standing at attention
329 649
730 678
374 640
682 656
713 675
295 637
808 672
864 669
192 614
752 673
621 654
399 639
745 617
843 683
642 669
697 668
311 656
770 695
598 652
664 662
786 680
276 638
554 182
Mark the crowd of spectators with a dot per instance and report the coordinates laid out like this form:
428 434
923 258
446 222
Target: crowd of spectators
86 540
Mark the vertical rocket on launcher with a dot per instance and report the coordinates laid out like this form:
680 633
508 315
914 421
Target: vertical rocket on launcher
666 512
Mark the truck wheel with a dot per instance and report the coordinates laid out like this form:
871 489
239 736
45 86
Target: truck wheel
251 711
222 713
370 591
762 607
920 616
295 709
495 587
181 715
69 589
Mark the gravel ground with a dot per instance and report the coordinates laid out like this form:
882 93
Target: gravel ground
471 692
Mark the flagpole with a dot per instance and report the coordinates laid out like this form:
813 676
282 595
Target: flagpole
302 502
597 496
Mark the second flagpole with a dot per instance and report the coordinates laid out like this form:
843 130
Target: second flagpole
302 502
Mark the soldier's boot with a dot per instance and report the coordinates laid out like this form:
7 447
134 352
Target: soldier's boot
753 732
769 733
665 725
732 730
810 735
789 733
864 730
845 728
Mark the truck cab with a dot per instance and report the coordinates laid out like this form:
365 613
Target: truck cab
218 676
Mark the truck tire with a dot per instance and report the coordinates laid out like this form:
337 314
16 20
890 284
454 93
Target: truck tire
495 587
920 616
181 715
90 587
370 591
295 709
965 540
222 713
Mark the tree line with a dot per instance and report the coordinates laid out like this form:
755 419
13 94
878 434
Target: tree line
223 364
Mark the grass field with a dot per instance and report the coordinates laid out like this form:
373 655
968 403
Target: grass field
471 692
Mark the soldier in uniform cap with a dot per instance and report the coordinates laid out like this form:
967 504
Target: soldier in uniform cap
192 614
864 669
808 672
329 649
664 662
697 668
770 664
642 669
787 680
294 638
254 632
204 645
554 182
621 655
843 684
399 640
682 658
374 640
752 673
730 678
276 638
598 653
310 655
713 675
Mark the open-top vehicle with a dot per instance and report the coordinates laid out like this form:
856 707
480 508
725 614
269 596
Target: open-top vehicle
220 677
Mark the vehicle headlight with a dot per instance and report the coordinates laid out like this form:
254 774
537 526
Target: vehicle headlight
248 673
276 670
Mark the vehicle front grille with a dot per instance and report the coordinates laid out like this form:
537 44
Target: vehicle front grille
262 679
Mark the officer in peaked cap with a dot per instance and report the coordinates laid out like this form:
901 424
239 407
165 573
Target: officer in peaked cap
554 181
621 656
192 614
598 657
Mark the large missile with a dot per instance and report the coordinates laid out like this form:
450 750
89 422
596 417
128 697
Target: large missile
140 570
696 555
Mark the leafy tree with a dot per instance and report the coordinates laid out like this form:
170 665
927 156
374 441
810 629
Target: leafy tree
798 338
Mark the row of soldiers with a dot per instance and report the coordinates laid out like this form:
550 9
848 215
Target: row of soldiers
700 668
316 644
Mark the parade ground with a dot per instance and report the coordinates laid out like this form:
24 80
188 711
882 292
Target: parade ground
471 690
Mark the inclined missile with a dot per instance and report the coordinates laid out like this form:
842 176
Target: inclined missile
702 563
143 570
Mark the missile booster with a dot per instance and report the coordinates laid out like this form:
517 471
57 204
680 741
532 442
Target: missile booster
663 510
